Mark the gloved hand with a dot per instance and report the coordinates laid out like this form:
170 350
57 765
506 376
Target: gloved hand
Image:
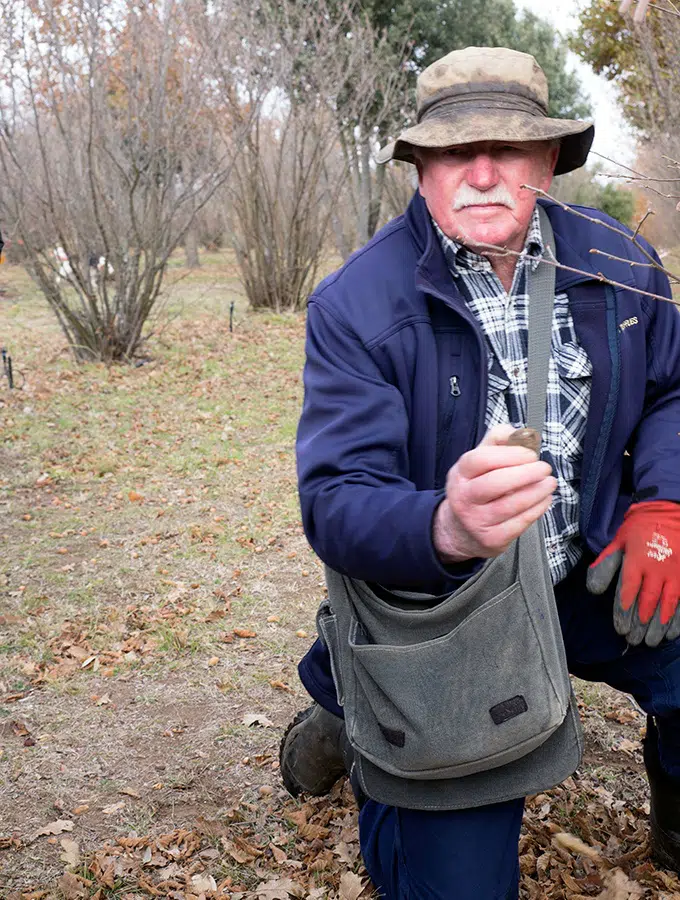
647 549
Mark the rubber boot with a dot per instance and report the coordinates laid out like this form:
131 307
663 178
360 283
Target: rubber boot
314 752
664 804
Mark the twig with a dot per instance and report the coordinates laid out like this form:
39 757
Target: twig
597 276
668 12
636 175
628 262
650 212
609 227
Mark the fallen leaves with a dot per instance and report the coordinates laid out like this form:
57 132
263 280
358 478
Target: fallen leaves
73 887
130 792
113 808
58 827
203 883
71 854
245 633
351 886
623 715
279 889
257 719
609 857
240 850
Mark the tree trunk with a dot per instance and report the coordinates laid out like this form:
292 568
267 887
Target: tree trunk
364 192
191 248
376 202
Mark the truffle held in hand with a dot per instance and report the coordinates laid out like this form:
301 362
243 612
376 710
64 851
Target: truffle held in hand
525 437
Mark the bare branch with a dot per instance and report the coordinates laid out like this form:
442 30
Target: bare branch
598 276
620 231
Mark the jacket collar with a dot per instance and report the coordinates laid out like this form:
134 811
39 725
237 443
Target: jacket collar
432 270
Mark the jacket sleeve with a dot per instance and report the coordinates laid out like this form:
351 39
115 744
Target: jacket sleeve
656 451
361 513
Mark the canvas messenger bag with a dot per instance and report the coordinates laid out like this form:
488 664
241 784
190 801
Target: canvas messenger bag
462 700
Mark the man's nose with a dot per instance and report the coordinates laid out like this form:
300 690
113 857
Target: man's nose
482 172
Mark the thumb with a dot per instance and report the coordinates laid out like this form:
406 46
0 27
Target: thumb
602 571
497 436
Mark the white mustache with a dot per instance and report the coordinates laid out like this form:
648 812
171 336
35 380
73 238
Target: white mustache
469 196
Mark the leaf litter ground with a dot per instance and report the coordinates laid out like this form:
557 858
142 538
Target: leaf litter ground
157 592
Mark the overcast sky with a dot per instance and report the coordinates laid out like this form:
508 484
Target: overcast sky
612 137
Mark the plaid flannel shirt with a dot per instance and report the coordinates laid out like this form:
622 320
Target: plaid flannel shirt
503 319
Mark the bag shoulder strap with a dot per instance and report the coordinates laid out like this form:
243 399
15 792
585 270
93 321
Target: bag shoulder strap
541 291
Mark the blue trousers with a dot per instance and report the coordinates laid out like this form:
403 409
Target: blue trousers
472 854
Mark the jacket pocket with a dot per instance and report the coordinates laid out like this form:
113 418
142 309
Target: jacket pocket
476 698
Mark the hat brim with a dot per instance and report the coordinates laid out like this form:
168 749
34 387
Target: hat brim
576 137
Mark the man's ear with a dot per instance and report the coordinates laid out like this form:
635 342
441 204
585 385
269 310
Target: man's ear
419 169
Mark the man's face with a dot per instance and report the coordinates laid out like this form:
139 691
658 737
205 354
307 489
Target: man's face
473 190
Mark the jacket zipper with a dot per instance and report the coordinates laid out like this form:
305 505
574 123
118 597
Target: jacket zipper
440 473
425 285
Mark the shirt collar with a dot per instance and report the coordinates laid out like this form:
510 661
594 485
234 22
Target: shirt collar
458 257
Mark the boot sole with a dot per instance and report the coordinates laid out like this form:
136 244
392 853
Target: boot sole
290 783
293 788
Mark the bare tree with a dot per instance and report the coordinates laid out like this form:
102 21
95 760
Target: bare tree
289 176
115 131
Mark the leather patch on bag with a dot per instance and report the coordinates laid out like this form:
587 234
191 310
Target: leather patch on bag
393 735
508 709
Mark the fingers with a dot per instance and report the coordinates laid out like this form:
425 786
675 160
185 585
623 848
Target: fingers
669 603
623 618
655 630
499 483
495 538
648 595
497 436
602 571
629 586
517 502
673 632
485 459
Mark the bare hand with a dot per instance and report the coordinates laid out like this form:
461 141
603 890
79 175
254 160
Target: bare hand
493 494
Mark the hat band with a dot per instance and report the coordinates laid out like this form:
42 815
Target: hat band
441 106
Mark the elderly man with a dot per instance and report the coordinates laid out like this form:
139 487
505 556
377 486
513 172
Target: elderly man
415 377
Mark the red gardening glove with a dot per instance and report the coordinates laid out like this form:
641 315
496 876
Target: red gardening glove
647 549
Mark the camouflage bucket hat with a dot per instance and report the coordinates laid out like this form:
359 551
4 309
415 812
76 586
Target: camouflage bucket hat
488 94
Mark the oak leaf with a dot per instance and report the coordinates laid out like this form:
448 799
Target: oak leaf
351 886
71 854
257 719
58 827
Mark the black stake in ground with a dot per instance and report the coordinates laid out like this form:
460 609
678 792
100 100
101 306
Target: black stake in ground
231 316
7 366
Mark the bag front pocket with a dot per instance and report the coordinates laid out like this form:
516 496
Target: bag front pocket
476 698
